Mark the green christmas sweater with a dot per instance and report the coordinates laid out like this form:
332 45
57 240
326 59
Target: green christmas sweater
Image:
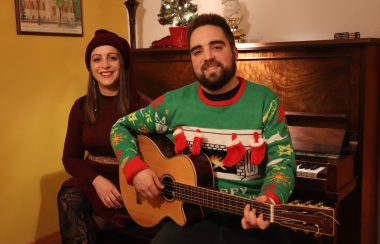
255 109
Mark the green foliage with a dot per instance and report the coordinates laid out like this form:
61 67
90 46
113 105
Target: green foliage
77 10
177 12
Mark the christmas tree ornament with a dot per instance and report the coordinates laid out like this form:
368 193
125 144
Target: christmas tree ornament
235 151
258 149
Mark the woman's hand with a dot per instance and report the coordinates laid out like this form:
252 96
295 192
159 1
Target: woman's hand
147 183
107 192
250 220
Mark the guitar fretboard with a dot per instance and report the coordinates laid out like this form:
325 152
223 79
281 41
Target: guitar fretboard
214 199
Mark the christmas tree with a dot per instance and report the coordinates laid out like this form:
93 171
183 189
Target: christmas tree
177 12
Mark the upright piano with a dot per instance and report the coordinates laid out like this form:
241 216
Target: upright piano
331 92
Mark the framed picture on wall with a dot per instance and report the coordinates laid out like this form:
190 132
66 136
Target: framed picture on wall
49 17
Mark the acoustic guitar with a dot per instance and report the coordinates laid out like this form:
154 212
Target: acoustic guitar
189 185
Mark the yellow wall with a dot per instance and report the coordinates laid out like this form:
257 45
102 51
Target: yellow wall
40 78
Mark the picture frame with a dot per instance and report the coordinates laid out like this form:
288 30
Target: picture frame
49 17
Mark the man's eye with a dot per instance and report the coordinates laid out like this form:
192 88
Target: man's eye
196 52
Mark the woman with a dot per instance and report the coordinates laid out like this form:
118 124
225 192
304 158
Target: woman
91 201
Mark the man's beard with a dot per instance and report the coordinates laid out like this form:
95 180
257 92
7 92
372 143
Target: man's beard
216 80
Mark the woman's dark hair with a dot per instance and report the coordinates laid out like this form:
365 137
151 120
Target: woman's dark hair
211 19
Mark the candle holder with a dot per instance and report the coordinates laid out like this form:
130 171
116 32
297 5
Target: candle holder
131 7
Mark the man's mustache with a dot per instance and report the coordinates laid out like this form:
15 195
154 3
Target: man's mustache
209 63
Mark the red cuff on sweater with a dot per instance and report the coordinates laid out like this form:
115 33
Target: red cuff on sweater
274 197
134 166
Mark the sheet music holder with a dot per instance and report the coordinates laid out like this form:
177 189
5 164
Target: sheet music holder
316 141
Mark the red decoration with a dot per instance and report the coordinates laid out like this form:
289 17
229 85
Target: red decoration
258 149
180 142
163 42
235 152
197 143
280 114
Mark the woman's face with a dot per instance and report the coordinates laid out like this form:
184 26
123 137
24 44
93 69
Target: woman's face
105 68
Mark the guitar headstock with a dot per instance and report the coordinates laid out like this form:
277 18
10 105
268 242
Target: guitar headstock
314 218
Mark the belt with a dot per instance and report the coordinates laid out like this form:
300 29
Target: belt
103 159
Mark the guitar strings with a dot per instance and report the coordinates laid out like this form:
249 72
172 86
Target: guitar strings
233 202
284 209
239 206
291 222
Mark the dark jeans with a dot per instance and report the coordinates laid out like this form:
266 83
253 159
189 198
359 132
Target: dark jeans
219 229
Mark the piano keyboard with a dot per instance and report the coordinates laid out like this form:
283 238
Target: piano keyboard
311 170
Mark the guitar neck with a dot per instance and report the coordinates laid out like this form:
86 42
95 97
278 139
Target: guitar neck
316 219
217 200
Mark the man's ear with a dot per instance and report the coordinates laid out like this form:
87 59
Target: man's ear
236 53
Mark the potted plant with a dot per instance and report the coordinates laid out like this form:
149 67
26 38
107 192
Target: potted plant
178 14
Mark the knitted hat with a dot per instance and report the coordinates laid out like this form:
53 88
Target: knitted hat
103 37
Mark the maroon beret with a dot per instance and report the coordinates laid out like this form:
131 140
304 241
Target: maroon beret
103 37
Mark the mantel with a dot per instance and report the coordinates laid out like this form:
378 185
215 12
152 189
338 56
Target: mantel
278 45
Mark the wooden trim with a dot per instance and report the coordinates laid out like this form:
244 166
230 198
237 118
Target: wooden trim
370 167
273 46
54 238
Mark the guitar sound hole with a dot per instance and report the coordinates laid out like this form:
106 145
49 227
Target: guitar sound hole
167 192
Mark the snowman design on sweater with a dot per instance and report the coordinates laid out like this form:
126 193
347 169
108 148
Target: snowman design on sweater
246 138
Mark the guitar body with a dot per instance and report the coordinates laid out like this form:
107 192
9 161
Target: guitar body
158 152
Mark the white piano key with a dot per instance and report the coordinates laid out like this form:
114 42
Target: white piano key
307 172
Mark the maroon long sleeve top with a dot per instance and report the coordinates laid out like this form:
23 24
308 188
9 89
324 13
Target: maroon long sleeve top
94 139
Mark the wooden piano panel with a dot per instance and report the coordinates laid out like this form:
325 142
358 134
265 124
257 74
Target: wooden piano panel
312 82
313 77
297 82
159 70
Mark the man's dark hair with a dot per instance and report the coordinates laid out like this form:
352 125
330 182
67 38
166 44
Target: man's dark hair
211 19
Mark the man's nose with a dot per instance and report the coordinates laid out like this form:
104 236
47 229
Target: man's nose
208 54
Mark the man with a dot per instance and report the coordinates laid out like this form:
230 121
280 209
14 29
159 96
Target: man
240 125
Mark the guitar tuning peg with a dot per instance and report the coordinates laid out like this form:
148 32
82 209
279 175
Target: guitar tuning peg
306 232
317 234
293 229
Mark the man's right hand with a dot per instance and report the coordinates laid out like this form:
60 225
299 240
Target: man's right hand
147 183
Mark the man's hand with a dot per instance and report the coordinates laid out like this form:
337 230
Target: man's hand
107 192
250 220
147 183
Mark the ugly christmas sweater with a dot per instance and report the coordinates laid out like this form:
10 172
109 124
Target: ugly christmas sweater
246 138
